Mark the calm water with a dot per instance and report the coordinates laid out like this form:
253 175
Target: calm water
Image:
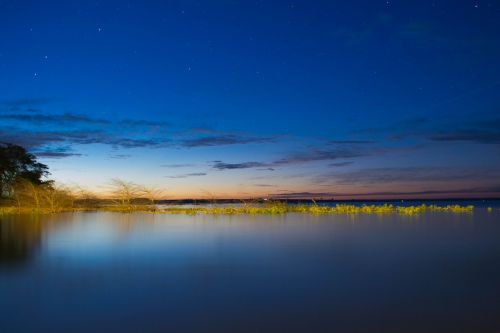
105 272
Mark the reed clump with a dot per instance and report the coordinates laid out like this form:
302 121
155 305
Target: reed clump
29 197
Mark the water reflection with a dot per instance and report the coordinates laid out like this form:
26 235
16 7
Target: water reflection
296 273
19 238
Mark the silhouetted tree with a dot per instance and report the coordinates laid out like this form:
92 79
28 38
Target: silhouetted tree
16 164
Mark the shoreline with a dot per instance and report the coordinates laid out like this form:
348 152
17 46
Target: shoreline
278 208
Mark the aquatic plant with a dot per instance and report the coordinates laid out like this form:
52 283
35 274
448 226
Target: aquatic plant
268 208
278 208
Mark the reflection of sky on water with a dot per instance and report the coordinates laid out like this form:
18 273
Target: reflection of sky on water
296 273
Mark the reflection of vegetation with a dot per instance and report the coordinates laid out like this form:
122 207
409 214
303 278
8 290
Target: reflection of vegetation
18 238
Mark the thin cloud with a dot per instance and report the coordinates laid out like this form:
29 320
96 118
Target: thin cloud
145 123
301 195
25 102
305 156
341 164
478 132
57 119
176 166
320 155
352 142
196 174
224 140
120 156
33 139
481 132
235 166
57 152
473 136
33 117
265 185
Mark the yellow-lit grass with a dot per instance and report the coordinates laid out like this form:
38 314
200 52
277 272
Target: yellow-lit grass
272 208
282 208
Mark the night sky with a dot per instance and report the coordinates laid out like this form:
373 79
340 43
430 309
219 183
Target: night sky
365 99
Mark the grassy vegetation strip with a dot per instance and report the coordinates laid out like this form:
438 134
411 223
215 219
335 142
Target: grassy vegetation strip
277 209
265 209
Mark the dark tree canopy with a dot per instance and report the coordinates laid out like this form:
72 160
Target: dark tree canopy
16 163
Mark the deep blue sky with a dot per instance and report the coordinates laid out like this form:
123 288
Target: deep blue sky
242 98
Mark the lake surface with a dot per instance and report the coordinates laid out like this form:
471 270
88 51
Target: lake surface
110 272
